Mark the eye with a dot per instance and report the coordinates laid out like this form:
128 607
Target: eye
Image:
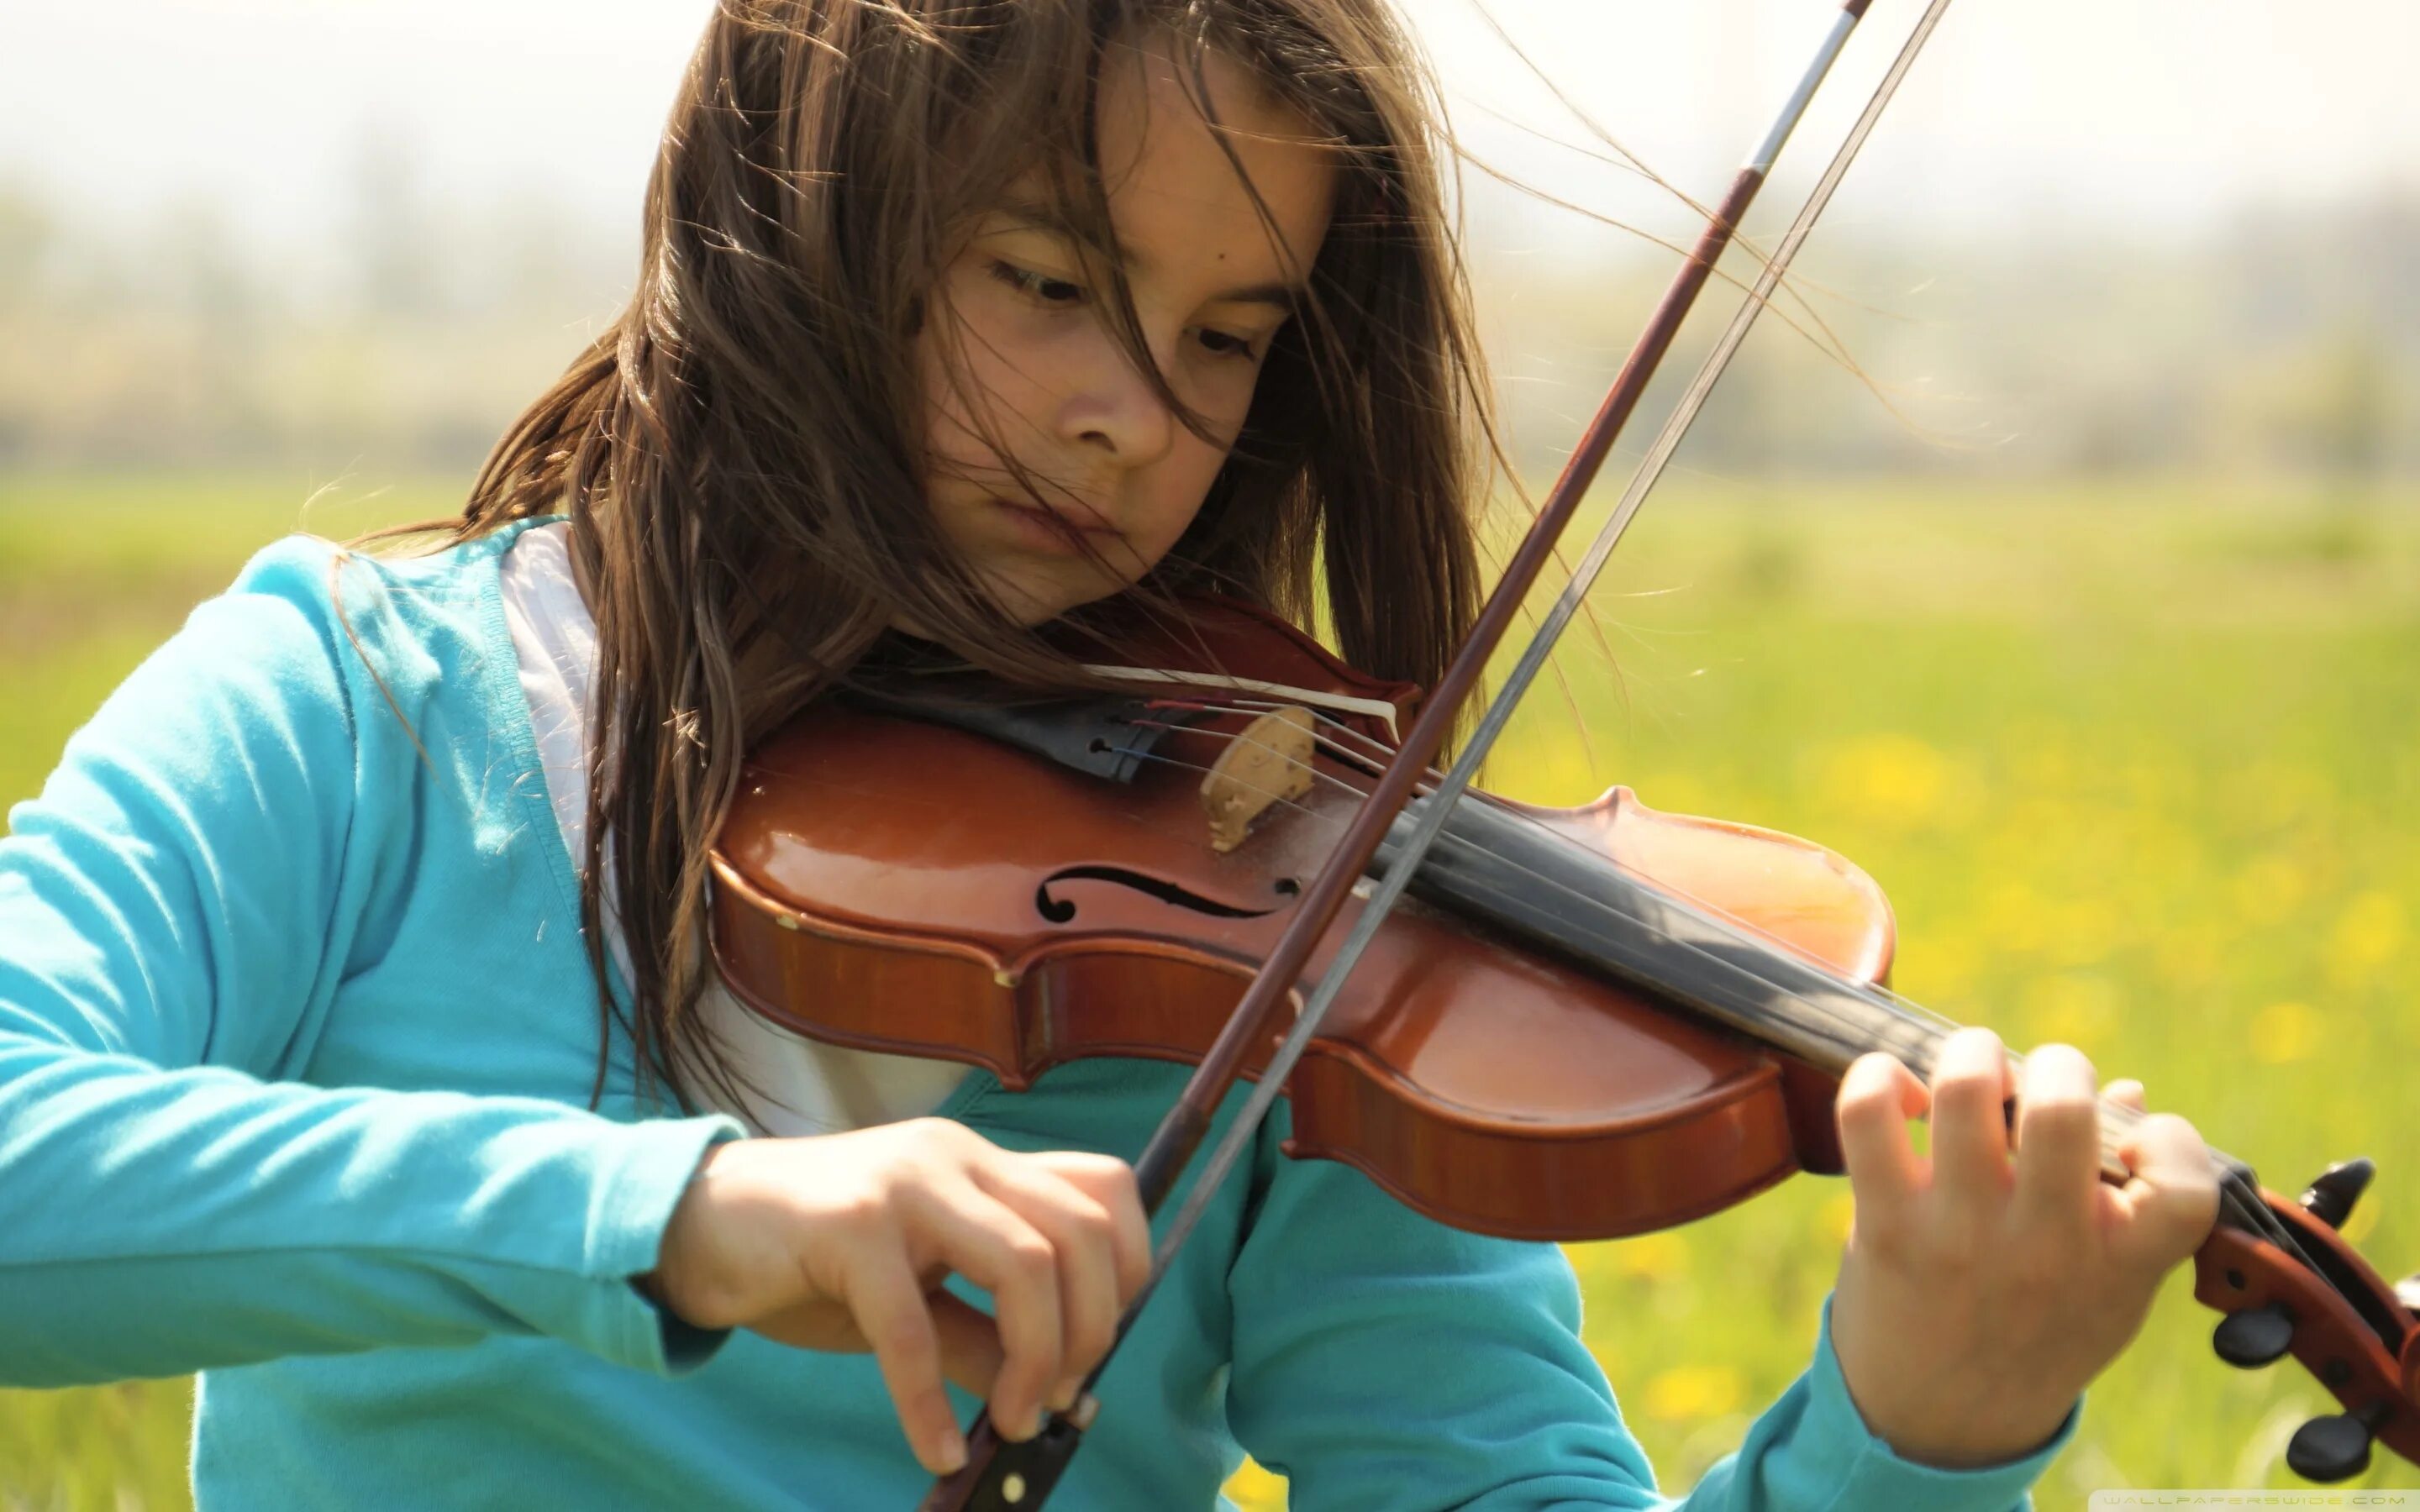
1036 286
1224 344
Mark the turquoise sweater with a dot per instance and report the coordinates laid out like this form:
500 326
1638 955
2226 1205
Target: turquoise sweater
296 1043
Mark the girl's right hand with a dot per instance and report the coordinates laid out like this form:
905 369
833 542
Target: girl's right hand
842 1242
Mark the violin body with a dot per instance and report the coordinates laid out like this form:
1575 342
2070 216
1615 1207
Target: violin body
896 884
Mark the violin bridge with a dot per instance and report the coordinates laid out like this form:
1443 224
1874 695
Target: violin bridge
1267 763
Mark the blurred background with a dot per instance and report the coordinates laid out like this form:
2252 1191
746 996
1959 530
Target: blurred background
351 238
2058 560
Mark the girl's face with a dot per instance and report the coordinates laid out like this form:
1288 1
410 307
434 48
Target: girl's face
1119 475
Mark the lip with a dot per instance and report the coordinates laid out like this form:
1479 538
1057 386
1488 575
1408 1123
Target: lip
1059 527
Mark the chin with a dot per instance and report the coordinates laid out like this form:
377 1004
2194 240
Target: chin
1033 605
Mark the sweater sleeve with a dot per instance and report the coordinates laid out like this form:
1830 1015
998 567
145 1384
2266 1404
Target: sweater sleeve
1384 1360
168 1204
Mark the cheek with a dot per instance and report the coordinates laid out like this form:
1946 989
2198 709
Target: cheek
1001 372
1191 467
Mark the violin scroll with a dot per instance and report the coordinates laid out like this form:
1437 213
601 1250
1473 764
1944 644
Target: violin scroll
2316 1298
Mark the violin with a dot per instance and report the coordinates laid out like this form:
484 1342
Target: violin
1593 1021
1492 1063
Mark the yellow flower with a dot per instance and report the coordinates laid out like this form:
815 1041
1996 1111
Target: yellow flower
1890 779
2368 934
1694 1390
2015 917
1944 965
2187 959
1651 1256
2083 932
2284 1033
2074 1008
2041 759
2269 887
1550 767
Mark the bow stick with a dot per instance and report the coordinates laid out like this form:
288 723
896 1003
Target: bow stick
1004 1476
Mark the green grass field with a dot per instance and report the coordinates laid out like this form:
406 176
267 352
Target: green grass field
2139 767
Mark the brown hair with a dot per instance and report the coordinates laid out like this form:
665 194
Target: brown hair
739 452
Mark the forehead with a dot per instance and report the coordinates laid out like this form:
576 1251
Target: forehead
1176 200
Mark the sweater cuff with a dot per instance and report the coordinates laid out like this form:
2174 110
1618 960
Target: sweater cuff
1873 1473
686 1345
626 1234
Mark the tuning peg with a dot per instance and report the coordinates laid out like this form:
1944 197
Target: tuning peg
2254 1337
2330 1197
2407 1292
2328 1449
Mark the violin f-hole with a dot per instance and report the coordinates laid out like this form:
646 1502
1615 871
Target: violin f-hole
1063 910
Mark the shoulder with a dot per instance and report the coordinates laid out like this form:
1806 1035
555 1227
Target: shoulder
420 592
320 648
394 626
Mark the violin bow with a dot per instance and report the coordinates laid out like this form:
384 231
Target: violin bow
1004 1476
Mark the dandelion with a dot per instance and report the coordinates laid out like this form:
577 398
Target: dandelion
2075 1008
2082 931
2284 1033
1891 779
2188 957
1656 1257
1694 1390
2368 934
2043 759
2267 887
2015 917
1551 768
1944 965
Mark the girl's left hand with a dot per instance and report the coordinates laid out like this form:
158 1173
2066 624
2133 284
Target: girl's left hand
1982 1288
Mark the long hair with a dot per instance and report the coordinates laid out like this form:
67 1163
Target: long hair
739 452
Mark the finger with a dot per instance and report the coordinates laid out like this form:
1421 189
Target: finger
2166 1208
891 1310
1079 1230
970 1346
988 1243
1877 1095
2058 1141
1970 1130
2121 1111
1111 1182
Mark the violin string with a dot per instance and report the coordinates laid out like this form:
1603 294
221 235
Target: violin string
1915 1015
1907 1014
2238 1196
1850 1034
1470 846
1911 1015
1881 995
2120 1121
1335 746
1906 1007
1463 845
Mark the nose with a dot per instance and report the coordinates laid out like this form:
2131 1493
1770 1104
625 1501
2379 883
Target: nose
1113 407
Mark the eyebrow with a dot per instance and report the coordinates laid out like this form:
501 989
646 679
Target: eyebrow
1038 216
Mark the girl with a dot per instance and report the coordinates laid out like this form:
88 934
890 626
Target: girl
358 1045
